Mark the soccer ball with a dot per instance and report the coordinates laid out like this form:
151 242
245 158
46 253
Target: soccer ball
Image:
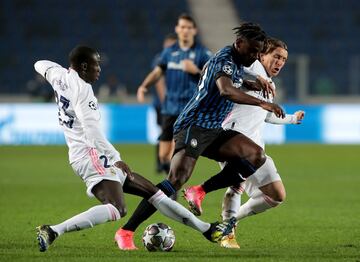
158 237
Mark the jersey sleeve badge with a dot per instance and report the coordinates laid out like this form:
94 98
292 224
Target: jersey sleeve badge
227 69
93 105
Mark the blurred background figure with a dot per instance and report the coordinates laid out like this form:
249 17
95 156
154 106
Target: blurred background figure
112 91
158 93
38 89
180 65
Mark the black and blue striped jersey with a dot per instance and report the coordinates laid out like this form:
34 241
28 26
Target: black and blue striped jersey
207 109
180 85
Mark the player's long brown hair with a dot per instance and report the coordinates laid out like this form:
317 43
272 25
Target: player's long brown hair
271 44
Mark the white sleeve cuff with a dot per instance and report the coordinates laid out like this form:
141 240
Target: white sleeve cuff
273 119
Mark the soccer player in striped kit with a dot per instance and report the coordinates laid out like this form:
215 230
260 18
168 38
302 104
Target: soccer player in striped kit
198 131
265 189
95 160
181 65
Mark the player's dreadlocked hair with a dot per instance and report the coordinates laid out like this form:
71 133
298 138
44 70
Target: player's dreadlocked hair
271 44
250 31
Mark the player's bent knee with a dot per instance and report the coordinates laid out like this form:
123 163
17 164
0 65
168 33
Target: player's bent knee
257 157
121 208
280 196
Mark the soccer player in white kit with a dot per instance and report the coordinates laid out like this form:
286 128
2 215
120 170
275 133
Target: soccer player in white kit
96 161
265 189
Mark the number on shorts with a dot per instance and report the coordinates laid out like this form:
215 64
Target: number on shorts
105 161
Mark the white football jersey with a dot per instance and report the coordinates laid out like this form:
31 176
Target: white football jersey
78 112
246 119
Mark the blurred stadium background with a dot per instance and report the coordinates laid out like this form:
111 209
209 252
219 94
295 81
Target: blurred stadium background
323 67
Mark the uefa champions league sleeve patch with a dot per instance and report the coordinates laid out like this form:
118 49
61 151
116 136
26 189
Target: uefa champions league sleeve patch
93 105
227 69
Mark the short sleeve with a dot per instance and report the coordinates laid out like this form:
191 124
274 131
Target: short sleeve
163 59
224 67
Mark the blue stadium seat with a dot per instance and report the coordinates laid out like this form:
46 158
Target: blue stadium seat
329 37
129 32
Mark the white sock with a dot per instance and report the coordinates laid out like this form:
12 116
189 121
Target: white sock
256 205
90 218
231 202
174 210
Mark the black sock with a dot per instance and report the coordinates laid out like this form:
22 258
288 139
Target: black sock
165 167
145 209
229 176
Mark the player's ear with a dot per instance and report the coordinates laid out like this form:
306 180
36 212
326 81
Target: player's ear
261 57
84 66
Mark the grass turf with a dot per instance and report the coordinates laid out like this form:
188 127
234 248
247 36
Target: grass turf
320 220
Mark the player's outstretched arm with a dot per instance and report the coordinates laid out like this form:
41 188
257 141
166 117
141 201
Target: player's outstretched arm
42 66
149 80
295 118
227 90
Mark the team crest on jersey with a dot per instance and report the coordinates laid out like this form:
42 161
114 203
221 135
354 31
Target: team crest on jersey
93 105
193 143
227 69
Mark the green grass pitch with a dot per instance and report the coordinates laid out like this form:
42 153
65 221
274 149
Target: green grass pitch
320 220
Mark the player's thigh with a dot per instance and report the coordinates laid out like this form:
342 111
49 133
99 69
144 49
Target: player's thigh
232 146
239 146
111 192
181 168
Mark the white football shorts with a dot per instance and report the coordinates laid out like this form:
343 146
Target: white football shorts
258 179
252 184
93 169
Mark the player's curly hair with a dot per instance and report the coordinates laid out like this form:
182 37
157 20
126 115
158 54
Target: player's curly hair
271 44
250 31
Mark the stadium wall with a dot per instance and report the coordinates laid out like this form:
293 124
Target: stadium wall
22 124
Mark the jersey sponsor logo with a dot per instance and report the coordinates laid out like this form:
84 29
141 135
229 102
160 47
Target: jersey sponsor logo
227 69
175 53
193 143
173 65
93 105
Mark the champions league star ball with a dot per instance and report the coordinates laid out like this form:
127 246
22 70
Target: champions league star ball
158 237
